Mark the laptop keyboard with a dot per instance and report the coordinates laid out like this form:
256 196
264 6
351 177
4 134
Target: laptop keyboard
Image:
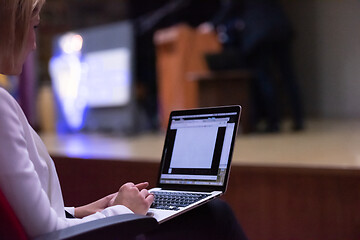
175 200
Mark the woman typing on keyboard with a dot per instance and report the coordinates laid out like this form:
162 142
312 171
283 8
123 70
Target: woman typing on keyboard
28 176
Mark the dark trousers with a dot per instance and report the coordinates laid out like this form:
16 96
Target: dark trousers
269 60
214 220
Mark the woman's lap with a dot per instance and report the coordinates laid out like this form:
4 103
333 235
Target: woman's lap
213 220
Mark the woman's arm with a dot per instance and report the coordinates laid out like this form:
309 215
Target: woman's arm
94 207
28 177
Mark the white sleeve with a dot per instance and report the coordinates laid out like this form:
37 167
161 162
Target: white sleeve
110 211
107 212
26 179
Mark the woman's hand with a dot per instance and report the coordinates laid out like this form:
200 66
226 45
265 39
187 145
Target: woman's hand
94 207
135 197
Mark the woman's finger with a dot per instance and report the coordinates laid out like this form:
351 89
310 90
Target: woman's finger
144 193
142 186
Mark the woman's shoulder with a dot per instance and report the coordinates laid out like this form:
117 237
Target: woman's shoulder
4 95
7 102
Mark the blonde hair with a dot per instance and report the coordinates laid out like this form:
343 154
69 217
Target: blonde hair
15 17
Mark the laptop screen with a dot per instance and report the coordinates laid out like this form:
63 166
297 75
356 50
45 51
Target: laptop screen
198 147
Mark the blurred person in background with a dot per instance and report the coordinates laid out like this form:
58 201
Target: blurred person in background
262 36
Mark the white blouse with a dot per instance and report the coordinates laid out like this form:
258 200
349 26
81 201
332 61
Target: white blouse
28 176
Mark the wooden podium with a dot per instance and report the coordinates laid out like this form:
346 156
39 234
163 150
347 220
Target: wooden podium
180 50
184 80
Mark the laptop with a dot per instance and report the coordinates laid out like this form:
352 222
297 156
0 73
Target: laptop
196 159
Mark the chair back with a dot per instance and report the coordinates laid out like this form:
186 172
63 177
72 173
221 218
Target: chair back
10 226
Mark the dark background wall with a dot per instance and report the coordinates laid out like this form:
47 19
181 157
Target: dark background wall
326 50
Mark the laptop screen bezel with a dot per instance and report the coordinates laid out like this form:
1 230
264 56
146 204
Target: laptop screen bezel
200 111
